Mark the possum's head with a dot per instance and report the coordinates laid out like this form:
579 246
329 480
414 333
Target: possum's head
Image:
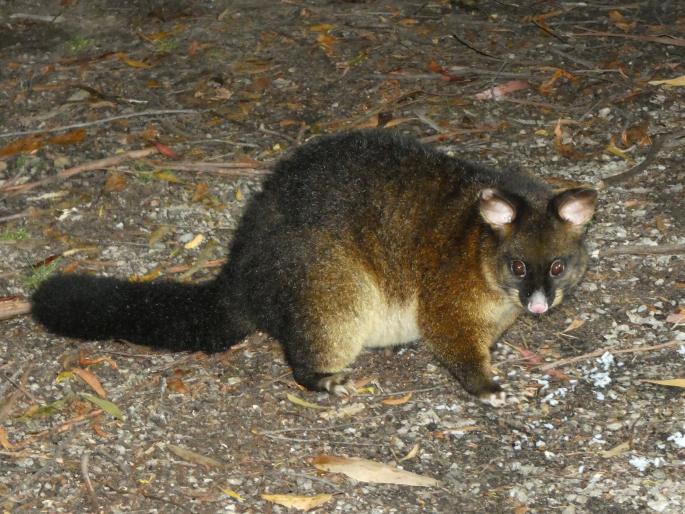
539 250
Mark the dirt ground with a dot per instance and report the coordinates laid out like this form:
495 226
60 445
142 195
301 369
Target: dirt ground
217 91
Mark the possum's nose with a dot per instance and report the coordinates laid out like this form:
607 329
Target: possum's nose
537 303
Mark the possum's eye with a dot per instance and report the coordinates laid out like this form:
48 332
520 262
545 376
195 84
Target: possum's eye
518 268
557 268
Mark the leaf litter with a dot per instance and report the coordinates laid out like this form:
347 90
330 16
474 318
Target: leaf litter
222 74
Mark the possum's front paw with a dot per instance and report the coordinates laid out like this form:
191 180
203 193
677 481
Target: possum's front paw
496 400
339 384
477 380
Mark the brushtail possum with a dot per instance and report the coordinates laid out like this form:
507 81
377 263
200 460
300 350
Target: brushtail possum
358 240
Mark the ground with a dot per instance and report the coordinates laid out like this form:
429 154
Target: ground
228 87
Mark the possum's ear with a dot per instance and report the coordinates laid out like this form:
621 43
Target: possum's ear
575 206
496 209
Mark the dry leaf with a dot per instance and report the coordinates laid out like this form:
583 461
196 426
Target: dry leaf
398 400
411 453
677 316
529 356
344 412
673 382
147 277
231 493
677 81
70 138
191 456
155 36
165 150
326 43
25 145
497 92
370 471
321 27
4 441
177 385
621 22
575 323
296 400
91 380
370 122
396 121
195 242
616 450
614 150
636 134
131 62
546 87
160 233
167 176
201 190
115 182
87 361
293 501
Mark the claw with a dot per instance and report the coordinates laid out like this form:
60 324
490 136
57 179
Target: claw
340 385
496 400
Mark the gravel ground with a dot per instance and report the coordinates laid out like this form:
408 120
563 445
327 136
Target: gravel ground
216 433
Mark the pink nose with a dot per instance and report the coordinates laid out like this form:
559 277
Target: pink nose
537 303
537 308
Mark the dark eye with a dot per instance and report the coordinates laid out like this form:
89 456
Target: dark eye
518 268
557 268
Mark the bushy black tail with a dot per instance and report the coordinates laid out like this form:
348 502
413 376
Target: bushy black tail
161 314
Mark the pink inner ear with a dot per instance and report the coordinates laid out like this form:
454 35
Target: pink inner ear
576 211
494 209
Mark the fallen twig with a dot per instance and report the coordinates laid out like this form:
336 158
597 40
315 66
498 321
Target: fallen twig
231 169
457 132
23 214
598 353
99 164
101 121
471 47
668 249
13 307
214 263
657 144
8 404
664 40
60 428
89 485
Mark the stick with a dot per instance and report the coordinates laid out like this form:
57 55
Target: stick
107 162
14 395
669 249
468 45
101 121
597 353
60 428
89 485
664 40
230 169
657 143
14 308
24 214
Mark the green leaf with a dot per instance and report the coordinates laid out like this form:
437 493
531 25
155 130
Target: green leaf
105 405
46 410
